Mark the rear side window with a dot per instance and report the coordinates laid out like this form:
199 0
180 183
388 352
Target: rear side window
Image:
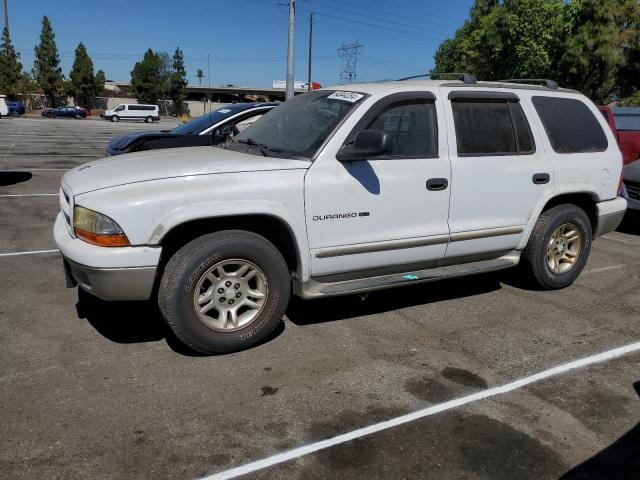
570 125
490 127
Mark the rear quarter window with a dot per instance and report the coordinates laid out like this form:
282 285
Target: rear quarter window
570 125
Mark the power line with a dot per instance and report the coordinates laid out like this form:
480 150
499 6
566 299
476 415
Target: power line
389 21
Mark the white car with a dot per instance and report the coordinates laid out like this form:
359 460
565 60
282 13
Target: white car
344 190
4 109
128 111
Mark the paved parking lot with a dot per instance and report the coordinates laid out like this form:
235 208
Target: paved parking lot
96 390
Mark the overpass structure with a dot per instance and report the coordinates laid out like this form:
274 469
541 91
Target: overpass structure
217 93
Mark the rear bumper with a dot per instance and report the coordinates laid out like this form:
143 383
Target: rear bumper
123 273
610 214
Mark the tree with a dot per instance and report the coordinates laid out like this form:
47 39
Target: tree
178 81
590 46
46 67
82 81
593 51
100 80
146 78
10 67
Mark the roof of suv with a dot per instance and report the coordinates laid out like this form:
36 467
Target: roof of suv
377 87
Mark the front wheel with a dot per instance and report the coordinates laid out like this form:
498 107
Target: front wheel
559 247
115 118
224 291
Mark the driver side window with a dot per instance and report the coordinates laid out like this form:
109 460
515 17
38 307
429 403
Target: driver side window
411 126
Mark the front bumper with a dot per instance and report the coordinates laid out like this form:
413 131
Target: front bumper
122 273
610 214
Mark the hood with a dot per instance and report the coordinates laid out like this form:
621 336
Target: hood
631 172
123 141
170 163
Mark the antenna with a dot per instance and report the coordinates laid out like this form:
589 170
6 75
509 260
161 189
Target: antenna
349 55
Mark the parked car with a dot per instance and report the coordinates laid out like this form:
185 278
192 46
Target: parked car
631 185
345 190
64 112
628 140
4 109
85 110
16 108
209 129
148 113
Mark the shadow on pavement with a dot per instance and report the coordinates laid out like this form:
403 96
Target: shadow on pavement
306 312
11 178
630 224
137 322
619 461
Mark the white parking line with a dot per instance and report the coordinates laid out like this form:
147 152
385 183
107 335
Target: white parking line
412 417
620 240
604 269
33 252
31 195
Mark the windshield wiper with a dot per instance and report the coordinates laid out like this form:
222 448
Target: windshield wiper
252 143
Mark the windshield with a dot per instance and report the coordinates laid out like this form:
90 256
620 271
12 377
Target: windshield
299 126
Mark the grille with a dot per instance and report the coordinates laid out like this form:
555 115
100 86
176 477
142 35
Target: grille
633 189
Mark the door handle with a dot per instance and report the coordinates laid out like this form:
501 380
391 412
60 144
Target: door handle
436 184
541 178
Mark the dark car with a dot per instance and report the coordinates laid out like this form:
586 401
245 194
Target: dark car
16 108
209 129
631 185
64 112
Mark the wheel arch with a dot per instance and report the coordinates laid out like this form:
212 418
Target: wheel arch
271 227
584 200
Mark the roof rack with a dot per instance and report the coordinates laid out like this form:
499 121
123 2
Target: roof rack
552 84
465 77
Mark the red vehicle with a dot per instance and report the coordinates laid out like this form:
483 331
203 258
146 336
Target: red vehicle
86 111
628 140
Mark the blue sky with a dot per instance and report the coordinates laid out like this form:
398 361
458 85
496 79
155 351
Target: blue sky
246 39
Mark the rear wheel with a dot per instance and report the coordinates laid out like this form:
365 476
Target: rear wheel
224 291
559 247
148 120
77 116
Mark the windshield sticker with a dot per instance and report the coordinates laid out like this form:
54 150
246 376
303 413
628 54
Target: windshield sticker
351 97
224 110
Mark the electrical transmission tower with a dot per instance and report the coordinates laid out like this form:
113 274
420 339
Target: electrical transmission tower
349 55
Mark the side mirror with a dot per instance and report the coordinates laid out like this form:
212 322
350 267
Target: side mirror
368 143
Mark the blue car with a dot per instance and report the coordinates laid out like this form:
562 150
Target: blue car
15 108
209 129
64 112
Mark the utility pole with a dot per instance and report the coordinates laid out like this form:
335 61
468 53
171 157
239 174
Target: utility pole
208 82
5 14
290 49
310 47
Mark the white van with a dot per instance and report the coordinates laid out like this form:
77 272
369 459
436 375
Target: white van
148 113
4 109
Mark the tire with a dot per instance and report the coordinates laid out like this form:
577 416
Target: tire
186 272
537 257
115 118
148 120
77 116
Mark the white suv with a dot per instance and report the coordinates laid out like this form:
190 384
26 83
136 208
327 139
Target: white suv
345 190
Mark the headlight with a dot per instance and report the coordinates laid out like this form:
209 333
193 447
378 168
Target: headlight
98 229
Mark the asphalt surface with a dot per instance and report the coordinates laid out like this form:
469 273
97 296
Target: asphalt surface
97 390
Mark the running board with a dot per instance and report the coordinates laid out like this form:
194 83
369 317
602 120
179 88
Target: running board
313 288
